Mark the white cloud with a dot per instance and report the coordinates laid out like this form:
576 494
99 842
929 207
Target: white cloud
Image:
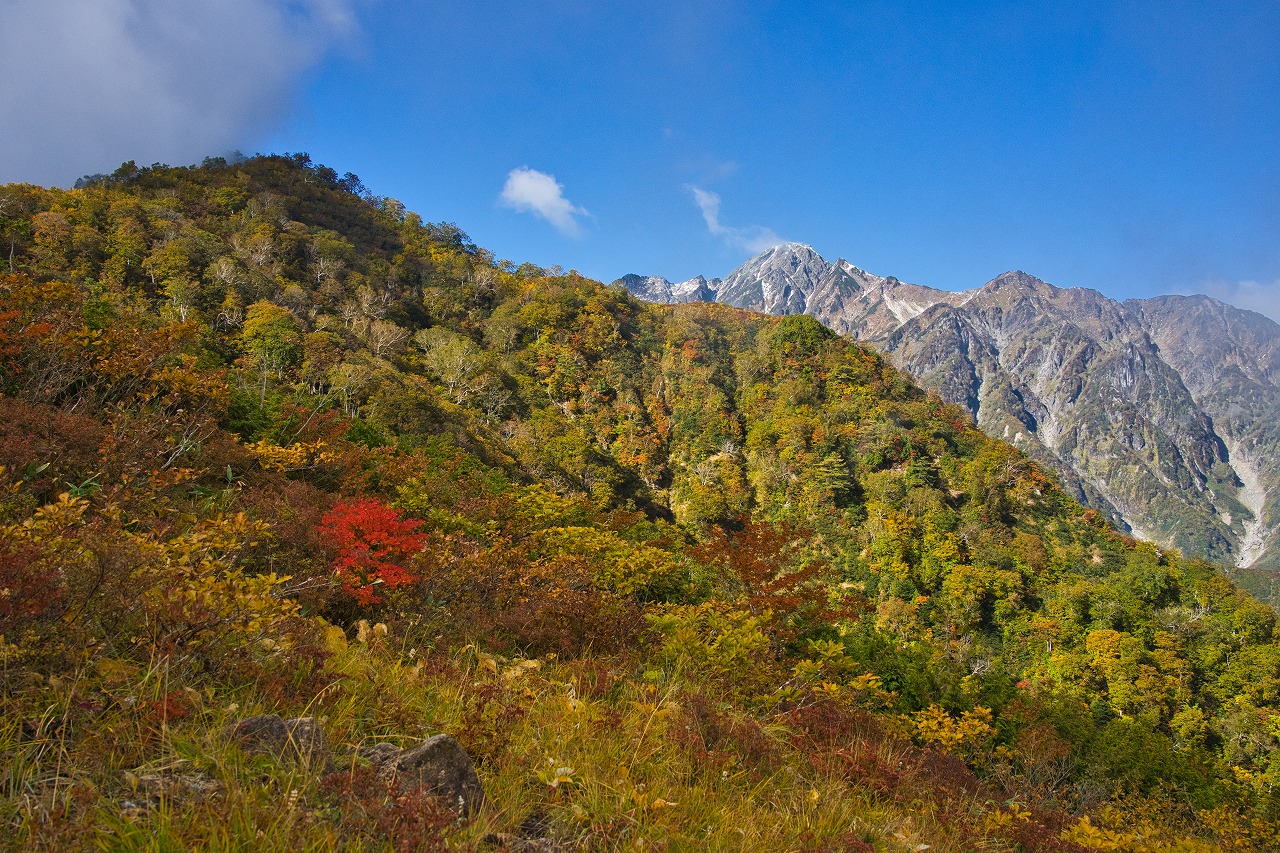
753 238
91 83
1253 295
531 191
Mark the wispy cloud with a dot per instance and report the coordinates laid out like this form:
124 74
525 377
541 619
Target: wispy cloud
92 83
753 238
1254 295
531 191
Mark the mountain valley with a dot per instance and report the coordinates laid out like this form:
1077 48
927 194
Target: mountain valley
1158 412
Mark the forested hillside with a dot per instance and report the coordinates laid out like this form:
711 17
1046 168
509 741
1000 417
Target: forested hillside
677 577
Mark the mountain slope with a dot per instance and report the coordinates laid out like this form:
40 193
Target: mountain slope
1158 412
1229 361
269 444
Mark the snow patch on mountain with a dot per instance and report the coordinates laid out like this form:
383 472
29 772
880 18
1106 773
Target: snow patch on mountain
1253 543
905 309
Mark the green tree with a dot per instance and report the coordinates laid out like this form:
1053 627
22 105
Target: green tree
272 339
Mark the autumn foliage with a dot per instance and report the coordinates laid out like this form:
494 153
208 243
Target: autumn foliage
269 443
372 544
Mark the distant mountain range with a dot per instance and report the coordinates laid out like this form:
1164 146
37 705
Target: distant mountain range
1163 413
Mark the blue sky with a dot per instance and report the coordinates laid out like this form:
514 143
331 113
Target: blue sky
1130 147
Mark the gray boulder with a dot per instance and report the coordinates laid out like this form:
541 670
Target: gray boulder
439 765
299 739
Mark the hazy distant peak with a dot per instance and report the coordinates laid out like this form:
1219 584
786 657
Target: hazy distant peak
656 288
1202 302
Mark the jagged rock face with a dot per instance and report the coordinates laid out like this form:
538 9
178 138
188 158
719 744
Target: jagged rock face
1075 374
1229 361
1164 413
780 280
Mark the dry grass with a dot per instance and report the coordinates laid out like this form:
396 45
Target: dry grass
581 752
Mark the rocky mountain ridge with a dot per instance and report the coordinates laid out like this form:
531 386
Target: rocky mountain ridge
1160 412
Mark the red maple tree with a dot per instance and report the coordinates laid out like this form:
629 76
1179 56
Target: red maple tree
372 543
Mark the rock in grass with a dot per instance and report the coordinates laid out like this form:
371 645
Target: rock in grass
264 734
516 844
307 741
380 755
439 765
299 739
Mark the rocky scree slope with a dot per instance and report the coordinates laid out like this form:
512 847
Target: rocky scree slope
1160 412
